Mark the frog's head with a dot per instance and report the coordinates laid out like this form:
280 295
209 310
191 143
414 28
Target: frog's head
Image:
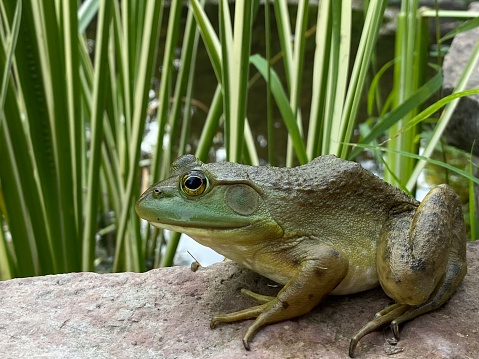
209 203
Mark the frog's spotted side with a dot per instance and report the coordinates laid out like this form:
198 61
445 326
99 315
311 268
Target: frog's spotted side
328 227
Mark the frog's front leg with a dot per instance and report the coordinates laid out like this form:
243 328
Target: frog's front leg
421 259
321 270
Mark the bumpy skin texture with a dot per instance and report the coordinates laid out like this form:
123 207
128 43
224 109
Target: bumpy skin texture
328 227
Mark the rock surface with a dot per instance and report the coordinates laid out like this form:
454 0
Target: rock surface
165 314
463 128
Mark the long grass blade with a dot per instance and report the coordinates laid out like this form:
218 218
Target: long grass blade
9 42
35 105
164 92
99 91
87 11
143 74
285 36
320 80
239 77
341 44
211 40
374 18
227 56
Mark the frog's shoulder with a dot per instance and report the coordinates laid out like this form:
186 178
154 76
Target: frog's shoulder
331 160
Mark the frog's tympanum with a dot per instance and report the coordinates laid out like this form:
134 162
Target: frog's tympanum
327 227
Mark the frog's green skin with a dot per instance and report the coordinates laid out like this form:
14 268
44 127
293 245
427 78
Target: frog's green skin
328 227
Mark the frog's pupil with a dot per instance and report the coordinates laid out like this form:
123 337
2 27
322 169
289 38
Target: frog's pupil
193 182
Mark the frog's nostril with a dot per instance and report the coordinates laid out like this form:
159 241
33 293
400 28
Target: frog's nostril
157 192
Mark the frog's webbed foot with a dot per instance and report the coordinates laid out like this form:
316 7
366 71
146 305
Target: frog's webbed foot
270 311
381 319
249 313
245 314
313 280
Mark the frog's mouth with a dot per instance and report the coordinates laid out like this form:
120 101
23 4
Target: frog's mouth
194 227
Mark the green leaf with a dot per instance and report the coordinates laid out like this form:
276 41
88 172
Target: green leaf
86 13
98 103
466 26
212 43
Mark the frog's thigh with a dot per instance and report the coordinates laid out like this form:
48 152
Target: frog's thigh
417 250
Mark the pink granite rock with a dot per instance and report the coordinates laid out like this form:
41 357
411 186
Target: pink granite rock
165 313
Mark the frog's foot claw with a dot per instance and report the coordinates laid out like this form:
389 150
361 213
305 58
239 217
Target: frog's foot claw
382 318
395 329
352 346
259 298
246 344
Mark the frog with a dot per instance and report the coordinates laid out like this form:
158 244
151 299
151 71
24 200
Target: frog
328 227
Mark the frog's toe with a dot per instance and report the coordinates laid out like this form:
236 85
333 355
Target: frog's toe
249 313
386 310
381 319
259 298
246 344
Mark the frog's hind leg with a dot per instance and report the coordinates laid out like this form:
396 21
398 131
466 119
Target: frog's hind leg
416 247
421 254
398 313
455 271
421 259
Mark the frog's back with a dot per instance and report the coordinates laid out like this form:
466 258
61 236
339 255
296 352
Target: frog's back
327 194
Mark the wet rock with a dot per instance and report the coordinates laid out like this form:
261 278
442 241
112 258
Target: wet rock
165 313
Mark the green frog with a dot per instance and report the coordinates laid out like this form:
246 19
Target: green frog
327 227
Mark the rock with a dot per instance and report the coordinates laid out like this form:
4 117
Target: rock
165 313
463 128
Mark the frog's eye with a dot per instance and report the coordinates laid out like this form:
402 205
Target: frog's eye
193 183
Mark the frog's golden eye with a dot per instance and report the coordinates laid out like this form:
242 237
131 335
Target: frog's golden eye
193 183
